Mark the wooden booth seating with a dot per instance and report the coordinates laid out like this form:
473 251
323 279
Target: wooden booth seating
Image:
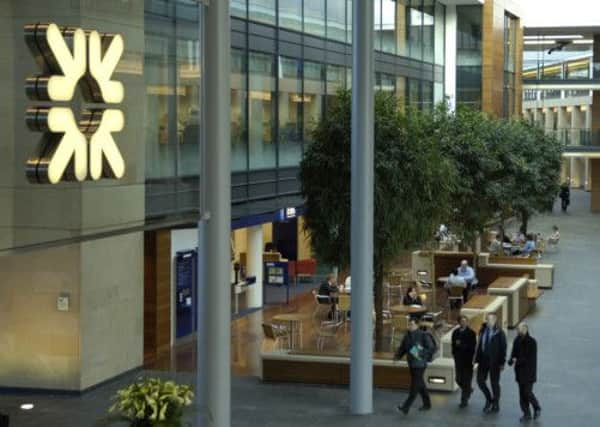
512 260
489 273
334 369
445 262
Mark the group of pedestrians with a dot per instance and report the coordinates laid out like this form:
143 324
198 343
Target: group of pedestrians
488 351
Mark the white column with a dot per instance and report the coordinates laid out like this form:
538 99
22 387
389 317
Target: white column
588 175
450 60
549 119
255 266
562 124
577 124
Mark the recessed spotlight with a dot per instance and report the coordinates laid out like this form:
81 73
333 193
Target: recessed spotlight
27 406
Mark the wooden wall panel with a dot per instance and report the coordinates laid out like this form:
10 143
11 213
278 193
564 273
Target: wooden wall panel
445 262
157 294
492 85
487 274
595 192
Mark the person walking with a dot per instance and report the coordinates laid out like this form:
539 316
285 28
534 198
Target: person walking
418 350
524 358
464 341
565 196
490 357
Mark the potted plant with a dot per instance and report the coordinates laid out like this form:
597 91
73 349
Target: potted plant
152 402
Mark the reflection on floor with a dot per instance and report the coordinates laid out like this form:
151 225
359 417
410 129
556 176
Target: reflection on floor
247 338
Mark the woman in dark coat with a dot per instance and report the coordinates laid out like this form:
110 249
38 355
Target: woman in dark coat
524 357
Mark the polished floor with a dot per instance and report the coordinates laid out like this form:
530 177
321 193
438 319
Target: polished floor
569 371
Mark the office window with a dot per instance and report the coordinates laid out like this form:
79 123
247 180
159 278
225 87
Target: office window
262 11
349 22
388 26
290 14
438 93
261 111
510 48
413 93
386 83
239 122
238 8
377 24
290 112
468 56
336 80
314 17
314 92
440 33
426 96
428 30
336 20
415 29
401 92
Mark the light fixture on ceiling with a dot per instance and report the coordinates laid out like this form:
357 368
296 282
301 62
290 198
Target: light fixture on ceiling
555 37
27 406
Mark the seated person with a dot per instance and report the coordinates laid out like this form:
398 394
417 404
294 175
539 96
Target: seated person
521 238
529 245
495 247
456 281
348 285
328 286
555 236
412 297
466 272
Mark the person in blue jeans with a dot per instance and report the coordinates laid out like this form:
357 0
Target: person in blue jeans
491 358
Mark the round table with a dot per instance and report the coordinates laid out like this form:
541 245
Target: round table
295 322
408 309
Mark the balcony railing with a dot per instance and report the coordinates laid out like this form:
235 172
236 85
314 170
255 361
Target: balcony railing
577 137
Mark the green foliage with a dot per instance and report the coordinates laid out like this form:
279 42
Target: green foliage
413 181
152 401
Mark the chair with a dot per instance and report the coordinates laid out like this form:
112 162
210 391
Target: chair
399 324
455 294
432 320
277 334
344 303
327 331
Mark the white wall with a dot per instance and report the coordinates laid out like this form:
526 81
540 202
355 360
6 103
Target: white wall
181 240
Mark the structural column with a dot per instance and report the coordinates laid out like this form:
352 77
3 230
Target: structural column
255 266
450 59
361 253
214 326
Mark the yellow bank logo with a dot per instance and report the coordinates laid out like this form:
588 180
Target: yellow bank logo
74 149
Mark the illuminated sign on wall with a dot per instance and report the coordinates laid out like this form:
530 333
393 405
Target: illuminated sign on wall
71 149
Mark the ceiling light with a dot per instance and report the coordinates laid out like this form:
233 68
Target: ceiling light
584 41
555 37
27 406
539 42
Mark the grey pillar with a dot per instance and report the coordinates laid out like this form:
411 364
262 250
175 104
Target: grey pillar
214 347
361 367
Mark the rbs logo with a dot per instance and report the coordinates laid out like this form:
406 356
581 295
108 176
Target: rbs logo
72 150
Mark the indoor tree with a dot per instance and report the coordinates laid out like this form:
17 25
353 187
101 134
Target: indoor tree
413 184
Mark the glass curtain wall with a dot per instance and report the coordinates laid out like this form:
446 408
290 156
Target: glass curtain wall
336 20
414 26
389 26
313 99
238 8
428 30
314 17
468 56
172 109
336 80
290 112
239 111
261 111
262 11
510 49
290 14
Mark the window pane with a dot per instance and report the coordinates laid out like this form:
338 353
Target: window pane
387 83
314 17
428 30
377 24
413 93
336 20
349 22
239 96
468 56
314 90
427 96
262 11
290 14
261 111
388 24
440 33
238 8
336 80
401 92
290 110
415 30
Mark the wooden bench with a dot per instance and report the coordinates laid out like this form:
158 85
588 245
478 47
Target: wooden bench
512 260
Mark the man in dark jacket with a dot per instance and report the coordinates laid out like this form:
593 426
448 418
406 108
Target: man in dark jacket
524 357
464 342
418 350
565 196
491 357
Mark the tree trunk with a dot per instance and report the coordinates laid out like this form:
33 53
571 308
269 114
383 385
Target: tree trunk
378 306
524 221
